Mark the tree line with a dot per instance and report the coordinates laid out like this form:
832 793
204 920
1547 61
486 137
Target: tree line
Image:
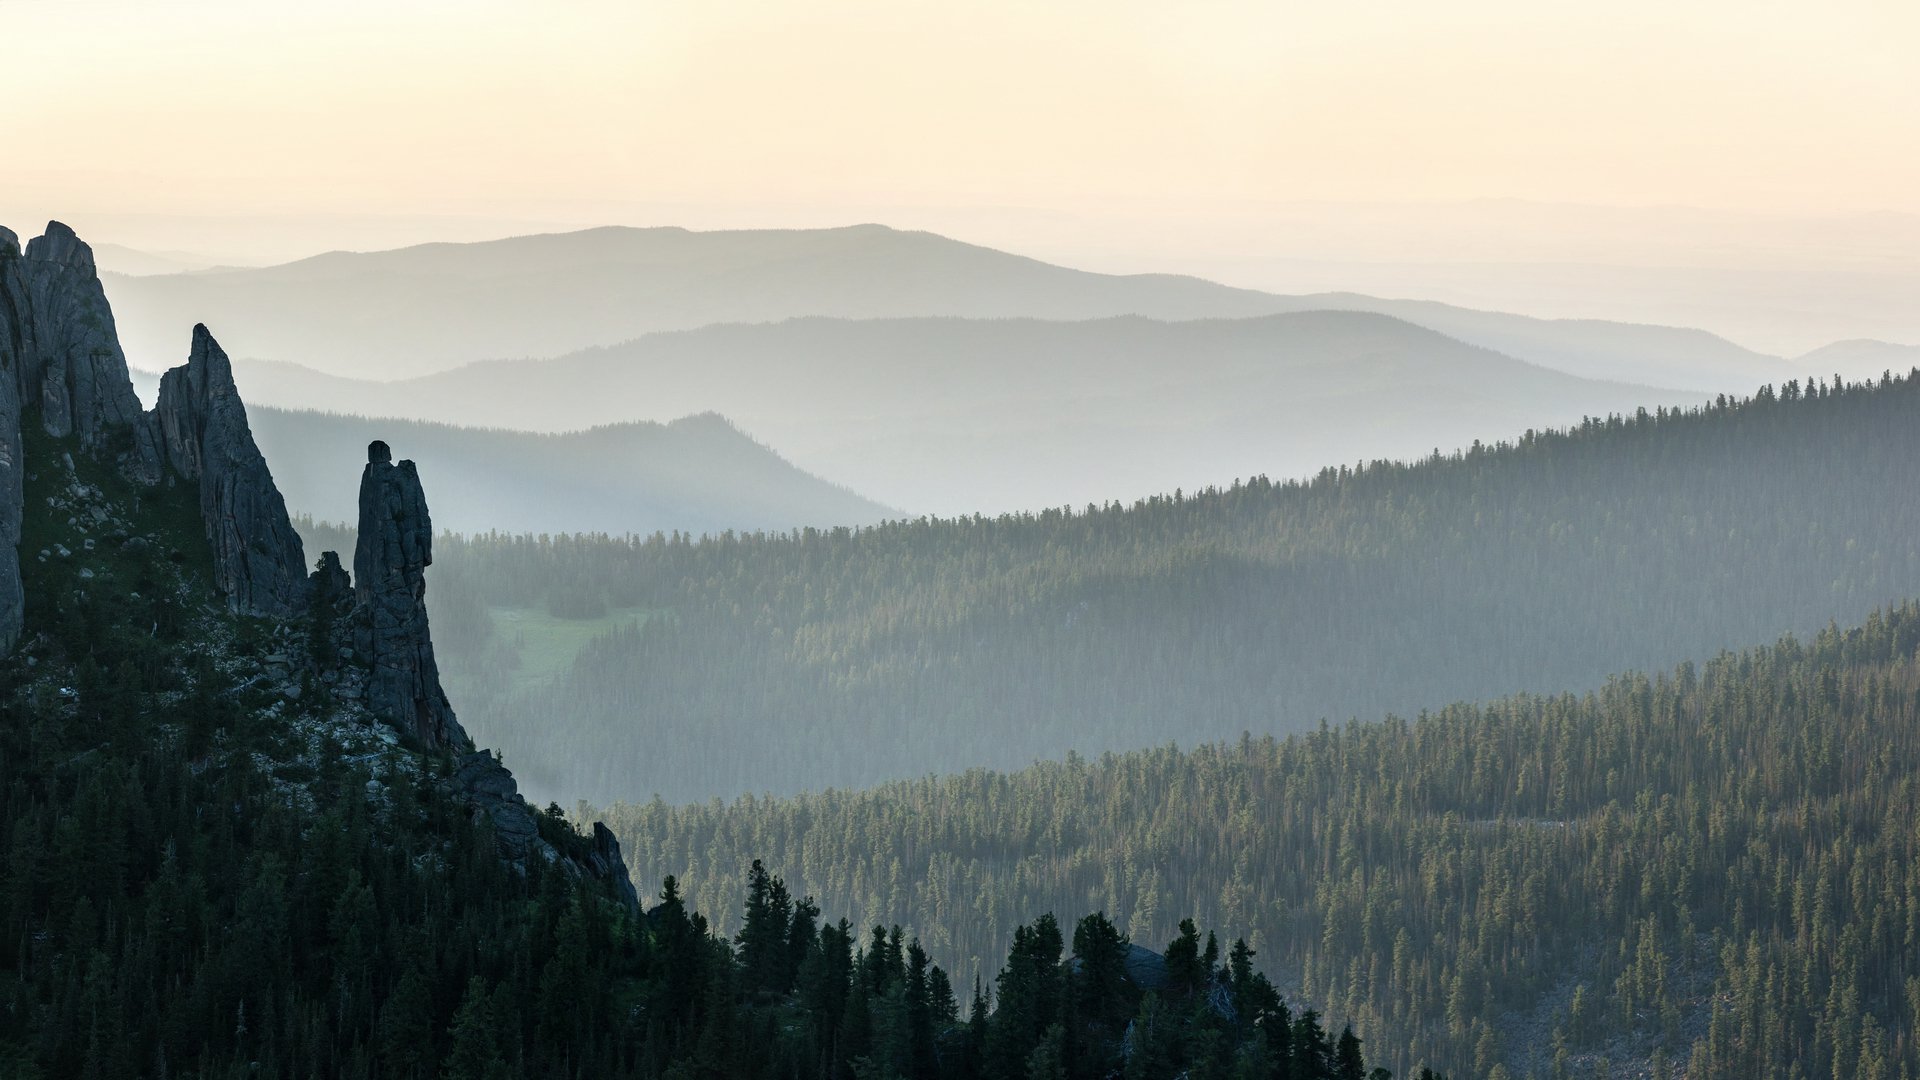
797 661
205 873
1707 873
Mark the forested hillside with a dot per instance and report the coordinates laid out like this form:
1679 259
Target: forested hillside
798 661
204 875
1714 868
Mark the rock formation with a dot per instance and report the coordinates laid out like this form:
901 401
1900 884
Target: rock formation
60 365
605 862
492 793
390 559
200 427
329 586
59 341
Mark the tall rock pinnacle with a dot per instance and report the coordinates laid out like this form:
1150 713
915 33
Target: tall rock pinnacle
60 365
59 340
200 426
390 559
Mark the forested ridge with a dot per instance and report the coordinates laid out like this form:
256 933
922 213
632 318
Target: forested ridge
797 661
206 873
1709 872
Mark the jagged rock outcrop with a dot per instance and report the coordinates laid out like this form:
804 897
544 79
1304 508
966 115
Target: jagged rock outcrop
60 360
492 793
61 366
390 559
200 428
329 586
394 647
59 338
605 862
494 797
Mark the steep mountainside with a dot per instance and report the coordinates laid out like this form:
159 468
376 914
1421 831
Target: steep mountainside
138 709
960 416
393 314
247 836
790 662
1715 866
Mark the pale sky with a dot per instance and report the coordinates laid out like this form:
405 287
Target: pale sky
563 108
1747 166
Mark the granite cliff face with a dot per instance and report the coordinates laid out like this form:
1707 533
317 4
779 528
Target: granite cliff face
366 637
200 427
60 367
59 339
390 560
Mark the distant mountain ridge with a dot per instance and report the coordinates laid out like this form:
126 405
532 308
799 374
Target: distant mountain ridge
955 415
1540 564
697 474
416 310
1862 358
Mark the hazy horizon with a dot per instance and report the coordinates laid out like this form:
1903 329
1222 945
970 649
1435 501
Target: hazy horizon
1751 172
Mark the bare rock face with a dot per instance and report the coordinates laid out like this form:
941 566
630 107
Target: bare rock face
493 797
200 428
605 863
390 559
60 359
60 342
492 794
329 587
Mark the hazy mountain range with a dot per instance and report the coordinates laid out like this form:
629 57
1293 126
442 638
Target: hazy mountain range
964 415
696 474
411 311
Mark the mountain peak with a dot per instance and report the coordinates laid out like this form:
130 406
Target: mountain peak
66 382
59 244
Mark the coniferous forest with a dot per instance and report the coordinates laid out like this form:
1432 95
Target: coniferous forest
789 662
860 540
1710 871
205 874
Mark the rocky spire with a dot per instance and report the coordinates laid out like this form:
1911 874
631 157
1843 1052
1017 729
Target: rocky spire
390 559
200 428
59 339
60 362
